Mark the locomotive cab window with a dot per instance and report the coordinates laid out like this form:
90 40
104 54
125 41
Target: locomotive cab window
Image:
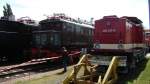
147 34
40 39
47 39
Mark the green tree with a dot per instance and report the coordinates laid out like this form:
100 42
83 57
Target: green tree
7 10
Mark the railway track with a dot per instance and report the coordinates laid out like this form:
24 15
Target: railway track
26 69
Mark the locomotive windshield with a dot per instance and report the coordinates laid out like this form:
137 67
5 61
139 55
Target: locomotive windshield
46 38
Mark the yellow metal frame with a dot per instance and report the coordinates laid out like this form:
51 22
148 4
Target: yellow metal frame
109 78
111 74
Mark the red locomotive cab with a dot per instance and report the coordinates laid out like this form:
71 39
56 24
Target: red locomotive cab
137 33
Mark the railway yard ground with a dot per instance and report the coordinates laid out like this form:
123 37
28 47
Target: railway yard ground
55 75
50 77
142 75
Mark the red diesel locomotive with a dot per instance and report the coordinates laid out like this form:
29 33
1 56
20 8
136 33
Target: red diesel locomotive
123 37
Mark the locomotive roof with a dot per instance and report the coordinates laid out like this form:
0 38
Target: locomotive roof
11 22
147 30
62 20
6 25
133 19
43 31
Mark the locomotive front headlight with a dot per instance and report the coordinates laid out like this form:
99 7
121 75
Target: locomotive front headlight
120 46
97 46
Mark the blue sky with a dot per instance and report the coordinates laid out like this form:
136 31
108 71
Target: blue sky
85 9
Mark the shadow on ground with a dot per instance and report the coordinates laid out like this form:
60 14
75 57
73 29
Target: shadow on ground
60 73
133 75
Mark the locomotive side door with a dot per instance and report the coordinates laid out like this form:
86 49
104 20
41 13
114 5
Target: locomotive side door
55 39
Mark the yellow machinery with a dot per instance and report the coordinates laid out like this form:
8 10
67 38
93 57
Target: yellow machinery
90 75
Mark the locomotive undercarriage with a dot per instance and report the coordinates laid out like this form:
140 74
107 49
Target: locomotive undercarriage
128 60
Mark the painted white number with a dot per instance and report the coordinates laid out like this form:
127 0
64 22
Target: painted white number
108 30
